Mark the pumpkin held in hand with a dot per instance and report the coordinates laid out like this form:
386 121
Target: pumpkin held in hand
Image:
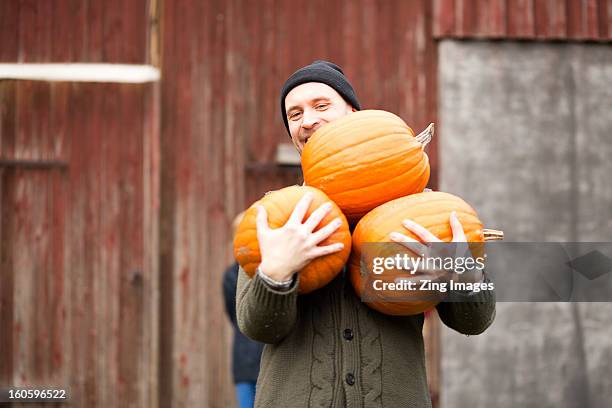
431 210
279 205
365 159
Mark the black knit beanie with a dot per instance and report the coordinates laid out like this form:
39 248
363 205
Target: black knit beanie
319 71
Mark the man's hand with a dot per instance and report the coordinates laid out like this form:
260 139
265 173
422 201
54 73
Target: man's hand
423 249
288 249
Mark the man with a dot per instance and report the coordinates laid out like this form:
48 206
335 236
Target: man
327 348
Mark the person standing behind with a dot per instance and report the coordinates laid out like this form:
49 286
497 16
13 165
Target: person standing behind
246 353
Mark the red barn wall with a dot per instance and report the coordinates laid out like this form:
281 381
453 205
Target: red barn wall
79 194
524 19
118 162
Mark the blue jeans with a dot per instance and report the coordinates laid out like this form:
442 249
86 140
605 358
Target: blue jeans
245 394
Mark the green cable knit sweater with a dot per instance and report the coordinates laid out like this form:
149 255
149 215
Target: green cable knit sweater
328 349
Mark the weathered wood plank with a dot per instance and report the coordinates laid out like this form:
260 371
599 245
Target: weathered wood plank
171 123
31 254
7 192
134 331
498 15
59 149
76 255
74 31
550 19
609 18
9 31
523 19
466 18
576 19
193 205
605 19
35 32
7 118
521 22
125 31
542 19
151 216
417 60
444 18
67 31
592 19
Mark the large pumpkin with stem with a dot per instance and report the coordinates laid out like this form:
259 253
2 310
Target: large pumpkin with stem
279 205
365 159
371 240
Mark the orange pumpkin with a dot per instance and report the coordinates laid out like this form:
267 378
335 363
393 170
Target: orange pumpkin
279 205
365 159
430 209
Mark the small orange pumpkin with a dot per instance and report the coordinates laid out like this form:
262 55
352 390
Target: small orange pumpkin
365 159
279 205
430 209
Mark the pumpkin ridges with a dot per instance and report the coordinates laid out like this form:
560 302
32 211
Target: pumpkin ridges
387 157
443 233
335 138
422 202
410 176
368 197
333 135
362 196
434 216
375 144
373 118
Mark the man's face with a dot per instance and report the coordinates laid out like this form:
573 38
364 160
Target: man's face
311 105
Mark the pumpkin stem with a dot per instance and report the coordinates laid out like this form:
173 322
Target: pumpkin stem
492 235
425 136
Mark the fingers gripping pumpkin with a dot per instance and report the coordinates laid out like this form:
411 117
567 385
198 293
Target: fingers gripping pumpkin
279 205
431 210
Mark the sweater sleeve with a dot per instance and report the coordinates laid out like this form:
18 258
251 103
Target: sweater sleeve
264 314
468 313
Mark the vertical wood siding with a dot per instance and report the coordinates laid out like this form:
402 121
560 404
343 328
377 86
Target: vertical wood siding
79 237
78 285
202 188
589 20
74 31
